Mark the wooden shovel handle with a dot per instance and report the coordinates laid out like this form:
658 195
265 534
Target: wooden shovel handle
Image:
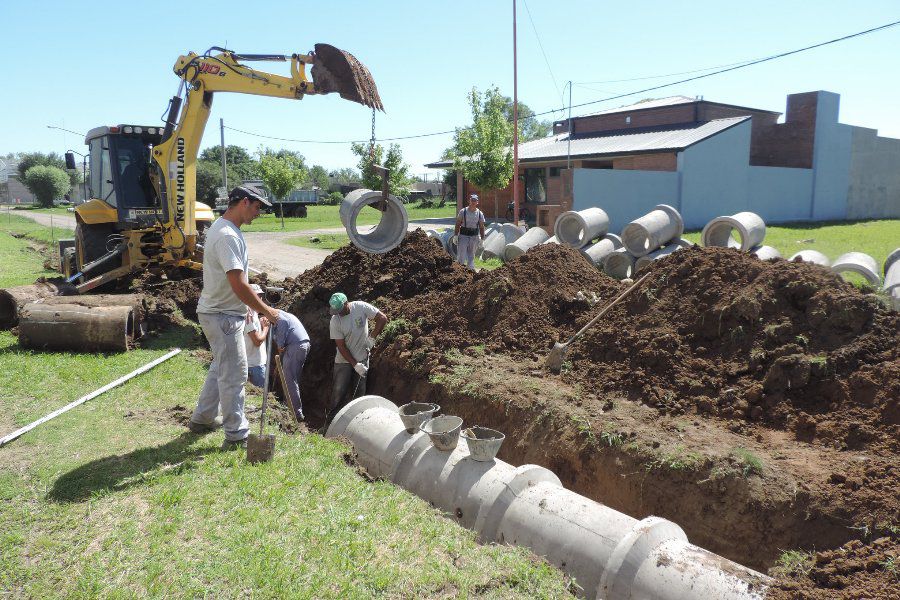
609 306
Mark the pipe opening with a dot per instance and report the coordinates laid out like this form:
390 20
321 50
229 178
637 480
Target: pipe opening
8 310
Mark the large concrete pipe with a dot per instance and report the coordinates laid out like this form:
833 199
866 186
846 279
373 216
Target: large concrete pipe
643 236
76 327
859 263
610 554
597 253
389 231
643 261
811 256
13 299
765 252
533 237
447 241
892 277
495 246
748 226
551 240
576 229
619 264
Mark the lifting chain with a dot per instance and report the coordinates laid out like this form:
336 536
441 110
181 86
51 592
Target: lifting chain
372 140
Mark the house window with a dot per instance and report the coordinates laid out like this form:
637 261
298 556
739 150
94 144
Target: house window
628 120
554 171
536 186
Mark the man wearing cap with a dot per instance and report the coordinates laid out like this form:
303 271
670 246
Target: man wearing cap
256 329
222 310
469 228
350 332
292 341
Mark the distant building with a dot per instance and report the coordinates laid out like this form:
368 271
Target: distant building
707 159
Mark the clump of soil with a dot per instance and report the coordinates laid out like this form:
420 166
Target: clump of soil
177 289
855 570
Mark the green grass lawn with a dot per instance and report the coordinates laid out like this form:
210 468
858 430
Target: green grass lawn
114 499
325 217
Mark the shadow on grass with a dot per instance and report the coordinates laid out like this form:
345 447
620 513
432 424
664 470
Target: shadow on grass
120 472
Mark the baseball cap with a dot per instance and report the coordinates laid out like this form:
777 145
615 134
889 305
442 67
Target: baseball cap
256 289
248 191
473 197
336 302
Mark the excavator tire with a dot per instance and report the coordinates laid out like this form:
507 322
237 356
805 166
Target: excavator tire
90 244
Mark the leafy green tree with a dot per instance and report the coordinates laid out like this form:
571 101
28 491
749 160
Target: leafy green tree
31 159
483 151
282 173
530 127
399 181
318 177
47 183
209 177
236 158
345 176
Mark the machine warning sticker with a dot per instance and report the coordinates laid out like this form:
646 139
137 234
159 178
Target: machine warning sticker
142 212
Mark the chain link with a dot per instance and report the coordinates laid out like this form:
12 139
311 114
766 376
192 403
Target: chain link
372 140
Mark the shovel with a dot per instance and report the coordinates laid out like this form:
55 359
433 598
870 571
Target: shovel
261 447
557 355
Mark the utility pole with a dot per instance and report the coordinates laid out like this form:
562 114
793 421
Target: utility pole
569 138
224 171
515 187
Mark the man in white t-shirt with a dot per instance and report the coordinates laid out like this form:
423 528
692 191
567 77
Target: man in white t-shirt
256 329
349 329
222 311
469 229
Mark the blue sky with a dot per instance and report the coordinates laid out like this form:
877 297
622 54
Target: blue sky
80 65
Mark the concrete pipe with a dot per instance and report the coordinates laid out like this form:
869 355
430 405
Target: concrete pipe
597 253
76 327
609 553
643 236
859 263
389 232
495 246
13 299
576 229
765 252
533 237
551 240
892 277
447 241
811 256
643 261
619 264
748 226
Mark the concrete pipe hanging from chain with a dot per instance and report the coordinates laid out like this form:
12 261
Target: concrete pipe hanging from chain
749 227
577 229
390 230
644 235
611 555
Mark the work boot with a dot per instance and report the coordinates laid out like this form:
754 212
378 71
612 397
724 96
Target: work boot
234 444
196 427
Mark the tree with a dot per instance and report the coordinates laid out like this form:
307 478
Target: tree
281 174
483 151
530 128
47 183
345 176
236 157
209 177
32 159
318 177
399 181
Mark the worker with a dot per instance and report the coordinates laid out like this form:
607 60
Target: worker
292 341
350 331
469 228
256 329
222 311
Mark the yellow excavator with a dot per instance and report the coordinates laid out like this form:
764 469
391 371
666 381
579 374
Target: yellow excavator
143 212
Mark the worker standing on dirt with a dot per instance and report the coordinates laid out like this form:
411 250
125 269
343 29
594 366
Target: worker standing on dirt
350 332
222 310
469 228
256 329
292 341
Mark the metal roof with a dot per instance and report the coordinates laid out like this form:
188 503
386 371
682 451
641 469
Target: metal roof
670 101
622 143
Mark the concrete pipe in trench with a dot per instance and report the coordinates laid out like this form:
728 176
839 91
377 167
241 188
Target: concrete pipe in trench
619 264
643 261
533 237
859 263
811 256
644 235
611 555
765 252
495 245
597 253
576 229
748 226
892 277
390 230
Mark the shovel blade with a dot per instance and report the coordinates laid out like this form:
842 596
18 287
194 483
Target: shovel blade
260 448
337 71
554 360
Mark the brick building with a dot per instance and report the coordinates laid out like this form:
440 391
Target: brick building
707 159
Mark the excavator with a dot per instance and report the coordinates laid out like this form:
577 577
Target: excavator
143 212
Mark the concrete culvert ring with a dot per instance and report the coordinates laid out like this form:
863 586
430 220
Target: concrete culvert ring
619 264
389 231
577 228
646 234
744 230
860 263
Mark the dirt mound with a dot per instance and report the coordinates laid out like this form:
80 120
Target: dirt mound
165 292
855 570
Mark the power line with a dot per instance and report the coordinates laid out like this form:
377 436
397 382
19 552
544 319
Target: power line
541 46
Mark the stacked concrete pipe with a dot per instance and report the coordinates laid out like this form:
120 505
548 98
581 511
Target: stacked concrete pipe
750 228
597 253
765 252
811 256
644 235
576 229
389 232
611 555
533 237
859 263
447 241
619 264
892 277
643 261
495 244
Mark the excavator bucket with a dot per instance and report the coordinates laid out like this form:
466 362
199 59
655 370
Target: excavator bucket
337 71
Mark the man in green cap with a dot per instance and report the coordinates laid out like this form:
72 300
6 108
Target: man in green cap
350 332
